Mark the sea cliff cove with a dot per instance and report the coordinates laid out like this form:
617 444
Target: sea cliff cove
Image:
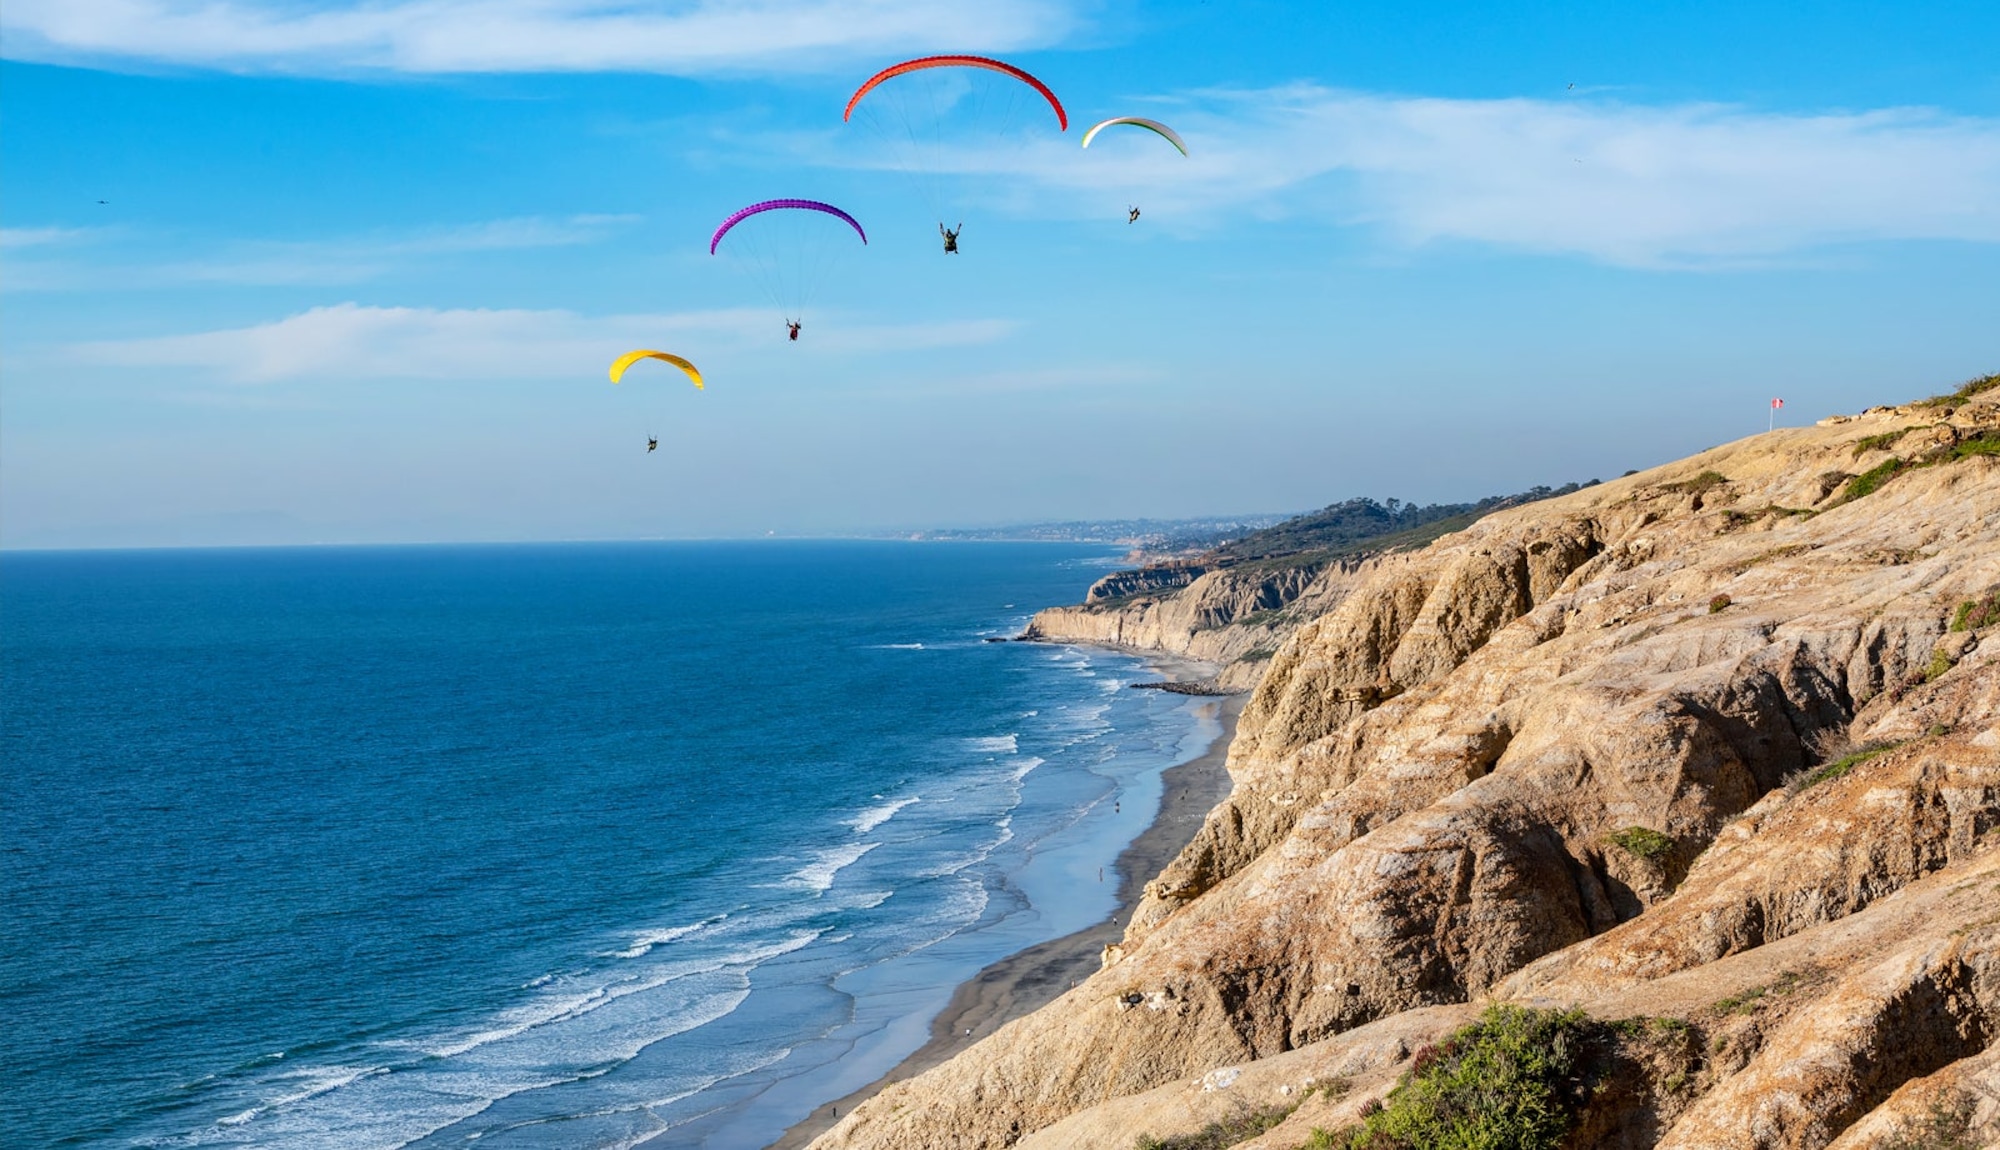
1031 575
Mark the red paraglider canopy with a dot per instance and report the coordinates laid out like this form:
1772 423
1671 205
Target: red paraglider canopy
923 62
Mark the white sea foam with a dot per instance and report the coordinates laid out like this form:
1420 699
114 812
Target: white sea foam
898 646
994 744
541 1013
1026 766
874 817
645 941
818 874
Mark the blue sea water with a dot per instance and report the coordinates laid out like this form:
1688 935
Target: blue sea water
551 846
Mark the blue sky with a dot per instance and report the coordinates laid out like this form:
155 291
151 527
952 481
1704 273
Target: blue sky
361 266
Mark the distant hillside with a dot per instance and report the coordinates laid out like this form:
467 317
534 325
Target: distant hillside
1360 525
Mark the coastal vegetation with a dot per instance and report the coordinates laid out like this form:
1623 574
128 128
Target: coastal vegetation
1515 1080
1840 766
1643 842
1700 485
1224 1132
1945 1125
1361 525
1887 439
1977 385
1974 614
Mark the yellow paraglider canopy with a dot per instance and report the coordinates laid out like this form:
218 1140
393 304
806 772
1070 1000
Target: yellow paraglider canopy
619 365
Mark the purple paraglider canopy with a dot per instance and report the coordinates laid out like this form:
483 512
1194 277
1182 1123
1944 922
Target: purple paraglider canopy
774 205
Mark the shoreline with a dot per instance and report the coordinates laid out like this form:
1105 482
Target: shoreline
1029 979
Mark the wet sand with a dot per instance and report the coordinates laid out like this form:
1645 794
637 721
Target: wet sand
1024 982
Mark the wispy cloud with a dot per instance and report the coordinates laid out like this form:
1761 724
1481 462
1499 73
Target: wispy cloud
13 238
350 341
682 37
1691 185
268 263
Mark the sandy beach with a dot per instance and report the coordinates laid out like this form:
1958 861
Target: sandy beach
1025 981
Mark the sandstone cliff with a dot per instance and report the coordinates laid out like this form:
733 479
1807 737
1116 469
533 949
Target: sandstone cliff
1716 744
1231 616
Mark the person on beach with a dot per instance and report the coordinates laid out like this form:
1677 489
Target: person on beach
793 327
950 238
652 444
1132 217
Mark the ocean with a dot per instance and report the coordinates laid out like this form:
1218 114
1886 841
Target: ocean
578 846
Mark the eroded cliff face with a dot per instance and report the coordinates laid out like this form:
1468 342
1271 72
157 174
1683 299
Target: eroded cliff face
1231 616
1437 785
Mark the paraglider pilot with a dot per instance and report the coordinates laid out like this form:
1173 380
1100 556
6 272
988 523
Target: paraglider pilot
652 444
792 327
1132 217
950 238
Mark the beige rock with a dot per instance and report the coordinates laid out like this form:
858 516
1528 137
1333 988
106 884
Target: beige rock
1433 779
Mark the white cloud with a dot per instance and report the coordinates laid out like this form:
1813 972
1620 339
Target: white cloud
350 342
347 260
1693 185
46 237
682 37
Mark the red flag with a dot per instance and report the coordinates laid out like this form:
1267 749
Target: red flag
1777 403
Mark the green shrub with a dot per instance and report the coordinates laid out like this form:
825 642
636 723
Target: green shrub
1878 442
1841 766
1970 388
1514 1080
1706 481
1985 443
1719 603
1644 842
1940 663
1223 1132
1976 613
1871 480
1948 1126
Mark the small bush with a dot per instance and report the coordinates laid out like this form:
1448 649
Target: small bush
1644 842
1745 1003
1750 1000
1871 480
1971 387
1514 1080
1948 1126
1840 766
1985 443
1878 442
1222 1133
1976 613
1706 481
1940 663
1718 604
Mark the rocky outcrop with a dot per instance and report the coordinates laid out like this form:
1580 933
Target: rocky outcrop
1231 616
1151 579
1659 744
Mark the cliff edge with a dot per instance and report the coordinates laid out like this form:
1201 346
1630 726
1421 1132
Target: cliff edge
1714 746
